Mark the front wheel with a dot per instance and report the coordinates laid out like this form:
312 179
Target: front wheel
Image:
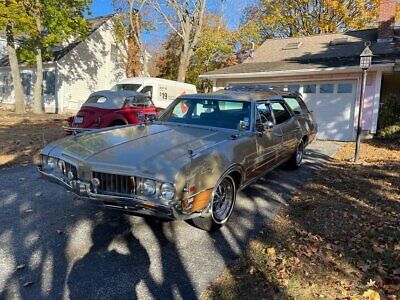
297 157
222 203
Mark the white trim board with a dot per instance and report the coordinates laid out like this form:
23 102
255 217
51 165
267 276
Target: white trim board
388 66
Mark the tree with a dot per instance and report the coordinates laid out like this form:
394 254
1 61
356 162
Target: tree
14 21
288 18
215 49
185 19
53 23
128 31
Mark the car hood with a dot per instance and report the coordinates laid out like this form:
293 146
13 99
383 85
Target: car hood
157 150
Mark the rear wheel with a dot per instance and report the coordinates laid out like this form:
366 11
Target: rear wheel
223 202
297 158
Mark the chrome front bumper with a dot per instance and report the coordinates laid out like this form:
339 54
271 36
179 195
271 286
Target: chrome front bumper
129 205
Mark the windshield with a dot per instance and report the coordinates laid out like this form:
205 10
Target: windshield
215 113
126 87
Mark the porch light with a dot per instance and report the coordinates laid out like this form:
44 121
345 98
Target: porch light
365 64
366 57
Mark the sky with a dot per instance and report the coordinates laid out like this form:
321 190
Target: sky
232 11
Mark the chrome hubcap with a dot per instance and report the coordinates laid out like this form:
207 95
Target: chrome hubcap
223 200
299 154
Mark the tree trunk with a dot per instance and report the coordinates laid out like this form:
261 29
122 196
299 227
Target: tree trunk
16 78
131 68
37 94
184 62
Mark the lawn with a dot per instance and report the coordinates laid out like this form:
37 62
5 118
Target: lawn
338 238
22 136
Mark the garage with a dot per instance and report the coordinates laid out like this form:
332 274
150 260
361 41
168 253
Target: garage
333 105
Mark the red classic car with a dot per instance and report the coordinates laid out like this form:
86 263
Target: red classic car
113 108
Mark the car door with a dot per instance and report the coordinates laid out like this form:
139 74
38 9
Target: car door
268 138
287 122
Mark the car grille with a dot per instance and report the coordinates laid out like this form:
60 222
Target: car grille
115 184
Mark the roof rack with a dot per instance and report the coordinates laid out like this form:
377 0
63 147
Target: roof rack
258 88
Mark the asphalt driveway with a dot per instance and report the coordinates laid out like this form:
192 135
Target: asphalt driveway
54 246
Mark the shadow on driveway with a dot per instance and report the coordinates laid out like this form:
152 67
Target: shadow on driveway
67 248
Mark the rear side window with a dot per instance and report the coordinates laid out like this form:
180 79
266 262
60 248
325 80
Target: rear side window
138 101
297 105
280 112
96 99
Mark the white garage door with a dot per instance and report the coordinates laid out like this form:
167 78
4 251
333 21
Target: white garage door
333 105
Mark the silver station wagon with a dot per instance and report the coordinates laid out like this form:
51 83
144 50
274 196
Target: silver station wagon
190 163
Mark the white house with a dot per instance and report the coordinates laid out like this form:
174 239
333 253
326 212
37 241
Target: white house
77 69
325 69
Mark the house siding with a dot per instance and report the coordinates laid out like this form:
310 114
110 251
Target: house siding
86 68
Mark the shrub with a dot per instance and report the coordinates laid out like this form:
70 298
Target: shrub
389 117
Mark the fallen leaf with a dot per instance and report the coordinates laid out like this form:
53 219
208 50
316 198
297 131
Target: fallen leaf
371 283
371 295
271 251
391 288
100 214
378 249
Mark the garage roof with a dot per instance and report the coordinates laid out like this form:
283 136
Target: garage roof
314 52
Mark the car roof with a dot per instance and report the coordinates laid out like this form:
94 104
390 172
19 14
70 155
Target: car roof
114 99
115 94
240 96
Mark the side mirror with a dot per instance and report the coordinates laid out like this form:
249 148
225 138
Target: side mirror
269 125
243 125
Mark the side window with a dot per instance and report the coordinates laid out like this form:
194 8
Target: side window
138 101
144 101
280 112
148 90
264 113
130 101
294 104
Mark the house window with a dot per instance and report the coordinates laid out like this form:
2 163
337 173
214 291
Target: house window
294 87
310 88
49 83
6 86
326 88
26 79
345 88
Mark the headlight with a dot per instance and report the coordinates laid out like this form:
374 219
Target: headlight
148 187
167 191
48 163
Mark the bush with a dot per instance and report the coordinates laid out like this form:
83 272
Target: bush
389 117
